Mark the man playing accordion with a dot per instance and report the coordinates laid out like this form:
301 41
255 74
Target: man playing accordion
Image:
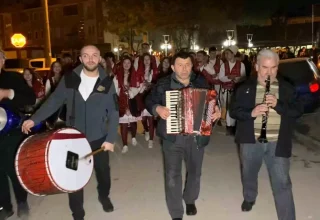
178 146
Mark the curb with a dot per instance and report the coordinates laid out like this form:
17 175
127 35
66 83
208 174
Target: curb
309 142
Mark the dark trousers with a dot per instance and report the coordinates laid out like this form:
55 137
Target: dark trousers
8 147
252 156
185 148
102 170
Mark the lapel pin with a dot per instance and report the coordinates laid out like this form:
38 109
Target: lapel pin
101 88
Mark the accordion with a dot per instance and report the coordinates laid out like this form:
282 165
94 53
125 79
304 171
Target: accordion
191 111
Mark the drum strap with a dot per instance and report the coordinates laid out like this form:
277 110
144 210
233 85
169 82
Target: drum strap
72 116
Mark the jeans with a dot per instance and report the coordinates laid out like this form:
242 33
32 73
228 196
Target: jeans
102 170
185 149
252 156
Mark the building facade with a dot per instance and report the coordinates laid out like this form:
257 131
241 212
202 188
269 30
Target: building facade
73 23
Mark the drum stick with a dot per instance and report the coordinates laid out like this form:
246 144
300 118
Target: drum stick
93 153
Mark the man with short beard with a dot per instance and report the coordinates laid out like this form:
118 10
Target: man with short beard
91 102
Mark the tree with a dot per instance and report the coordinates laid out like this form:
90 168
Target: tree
181 18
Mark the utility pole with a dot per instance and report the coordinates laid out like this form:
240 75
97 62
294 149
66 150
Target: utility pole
312 25
47 45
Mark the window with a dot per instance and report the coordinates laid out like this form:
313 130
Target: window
29 36
70 10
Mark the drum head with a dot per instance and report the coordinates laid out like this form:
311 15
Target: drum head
69 172
3 118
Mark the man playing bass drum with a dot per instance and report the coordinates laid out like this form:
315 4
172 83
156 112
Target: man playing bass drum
15 94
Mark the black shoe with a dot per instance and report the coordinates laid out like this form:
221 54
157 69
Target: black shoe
247 206
191 209
23 209
177 219
106 204
230 131
4 214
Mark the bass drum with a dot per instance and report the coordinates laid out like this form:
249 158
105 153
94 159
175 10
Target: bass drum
52 162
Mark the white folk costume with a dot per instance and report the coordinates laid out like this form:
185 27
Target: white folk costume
126 92
236 69
148 77
127 88
216 65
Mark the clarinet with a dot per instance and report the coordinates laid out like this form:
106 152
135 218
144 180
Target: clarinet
263 133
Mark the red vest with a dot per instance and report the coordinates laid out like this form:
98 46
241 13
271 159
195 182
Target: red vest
217 65
236 71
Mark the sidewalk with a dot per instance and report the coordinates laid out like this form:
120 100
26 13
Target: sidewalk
138 187
307 131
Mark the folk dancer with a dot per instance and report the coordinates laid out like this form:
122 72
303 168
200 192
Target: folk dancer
216 63
148 72
231 72
91 96
280 111
145 49
127 87
178 147
15 94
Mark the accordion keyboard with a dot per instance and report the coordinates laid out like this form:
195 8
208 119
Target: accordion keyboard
173 102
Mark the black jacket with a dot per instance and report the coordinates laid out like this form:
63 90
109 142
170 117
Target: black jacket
23 94
288 107
157 97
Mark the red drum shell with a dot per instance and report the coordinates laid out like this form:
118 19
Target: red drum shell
32 163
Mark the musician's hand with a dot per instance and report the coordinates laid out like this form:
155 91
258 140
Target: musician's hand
271 100
163 112
259 110
108 146
4 94
27 125
217 114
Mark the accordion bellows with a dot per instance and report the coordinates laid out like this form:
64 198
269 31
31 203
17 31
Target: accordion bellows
191 111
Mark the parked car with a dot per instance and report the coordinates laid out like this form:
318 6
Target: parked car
303 74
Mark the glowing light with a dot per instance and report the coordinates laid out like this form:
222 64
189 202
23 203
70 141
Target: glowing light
18 40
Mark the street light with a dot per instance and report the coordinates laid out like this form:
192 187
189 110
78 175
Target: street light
166 45
18 40
249 38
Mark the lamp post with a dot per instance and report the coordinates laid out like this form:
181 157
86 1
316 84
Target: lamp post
230 40
230 36
249 38
47 47
166 45
18 41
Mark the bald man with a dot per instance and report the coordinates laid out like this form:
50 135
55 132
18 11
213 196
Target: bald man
91 102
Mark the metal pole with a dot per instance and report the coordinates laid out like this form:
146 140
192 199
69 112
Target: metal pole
47 47
312 23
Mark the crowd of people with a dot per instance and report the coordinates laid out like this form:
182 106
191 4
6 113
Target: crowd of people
132 89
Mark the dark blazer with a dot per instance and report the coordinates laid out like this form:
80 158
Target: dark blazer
289 107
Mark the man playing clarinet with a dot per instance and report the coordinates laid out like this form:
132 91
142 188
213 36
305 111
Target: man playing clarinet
178 147
266 109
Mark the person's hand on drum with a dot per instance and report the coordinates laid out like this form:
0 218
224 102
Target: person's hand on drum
217 114
163 112
108 146
27 125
